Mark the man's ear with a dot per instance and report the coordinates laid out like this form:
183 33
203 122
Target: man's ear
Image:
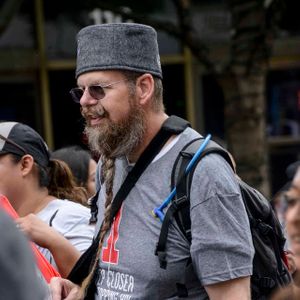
27 163
145 88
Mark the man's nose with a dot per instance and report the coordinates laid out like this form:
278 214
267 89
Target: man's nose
86 99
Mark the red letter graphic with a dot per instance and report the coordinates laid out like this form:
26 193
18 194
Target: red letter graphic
110 254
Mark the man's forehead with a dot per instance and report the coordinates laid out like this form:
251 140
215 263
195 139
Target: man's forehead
96 77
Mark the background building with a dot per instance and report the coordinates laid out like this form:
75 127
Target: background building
37 63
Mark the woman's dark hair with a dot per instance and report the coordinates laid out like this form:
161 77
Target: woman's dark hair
62 183
59 181
77 159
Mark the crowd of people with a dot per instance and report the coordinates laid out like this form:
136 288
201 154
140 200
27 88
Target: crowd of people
120 92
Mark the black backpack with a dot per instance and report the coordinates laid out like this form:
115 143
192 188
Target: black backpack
269 265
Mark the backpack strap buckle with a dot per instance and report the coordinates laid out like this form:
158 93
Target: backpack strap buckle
178 203
266 282
162 258
94 208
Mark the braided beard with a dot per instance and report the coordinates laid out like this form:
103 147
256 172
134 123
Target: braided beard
114 139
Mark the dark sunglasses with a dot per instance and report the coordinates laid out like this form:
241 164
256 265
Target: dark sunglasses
12 143
96 91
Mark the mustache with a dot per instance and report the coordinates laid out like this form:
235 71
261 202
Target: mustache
93 112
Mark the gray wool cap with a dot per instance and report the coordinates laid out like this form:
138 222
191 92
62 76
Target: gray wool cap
118 46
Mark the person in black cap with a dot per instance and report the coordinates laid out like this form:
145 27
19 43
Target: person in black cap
35 185
120 91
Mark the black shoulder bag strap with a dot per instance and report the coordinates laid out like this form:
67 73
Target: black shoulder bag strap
173 125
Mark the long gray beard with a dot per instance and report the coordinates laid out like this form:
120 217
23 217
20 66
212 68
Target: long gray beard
118 139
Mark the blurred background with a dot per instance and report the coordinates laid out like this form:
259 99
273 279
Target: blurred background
232 68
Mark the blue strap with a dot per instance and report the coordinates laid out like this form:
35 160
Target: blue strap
158 211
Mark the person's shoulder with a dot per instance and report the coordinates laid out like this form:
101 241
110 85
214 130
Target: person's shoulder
72 208
66 211
214 170
65 203
184 138
210 161
69 215
189 134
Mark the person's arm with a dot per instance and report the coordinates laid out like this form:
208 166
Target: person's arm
222 244
238 288
63 252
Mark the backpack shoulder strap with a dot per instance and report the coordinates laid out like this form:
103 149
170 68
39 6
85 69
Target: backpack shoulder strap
187 153
180 205
175 124
183 181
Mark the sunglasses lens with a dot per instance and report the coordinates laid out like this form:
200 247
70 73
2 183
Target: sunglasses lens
96 91
76 94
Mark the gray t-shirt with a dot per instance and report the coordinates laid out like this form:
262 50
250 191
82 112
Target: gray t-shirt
18 273
221 246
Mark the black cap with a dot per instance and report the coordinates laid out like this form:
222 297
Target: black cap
20 139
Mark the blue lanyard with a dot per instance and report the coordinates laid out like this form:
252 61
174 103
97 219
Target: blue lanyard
158 211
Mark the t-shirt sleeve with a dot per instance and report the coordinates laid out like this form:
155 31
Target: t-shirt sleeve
221 246
74 225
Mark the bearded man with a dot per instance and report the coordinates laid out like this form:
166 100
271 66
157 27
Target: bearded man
120 91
